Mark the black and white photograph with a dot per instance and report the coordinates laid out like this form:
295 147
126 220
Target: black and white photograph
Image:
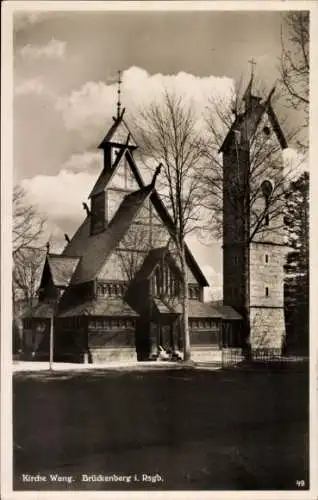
155 248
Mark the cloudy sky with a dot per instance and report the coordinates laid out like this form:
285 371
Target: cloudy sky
65 66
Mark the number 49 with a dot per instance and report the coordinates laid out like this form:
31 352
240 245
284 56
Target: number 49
300 483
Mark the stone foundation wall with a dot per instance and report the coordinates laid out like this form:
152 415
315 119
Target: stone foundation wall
206 353
119 354
267 327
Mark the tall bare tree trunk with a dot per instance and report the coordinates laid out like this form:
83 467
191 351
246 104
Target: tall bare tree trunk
246 305
246 266
185 306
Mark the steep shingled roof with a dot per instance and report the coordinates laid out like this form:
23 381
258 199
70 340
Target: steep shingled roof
76 247
62 268
98 248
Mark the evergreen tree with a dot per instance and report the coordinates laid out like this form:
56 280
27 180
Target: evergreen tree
297 267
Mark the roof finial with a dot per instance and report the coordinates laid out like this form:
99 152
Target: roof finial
47 247
85 206
118 94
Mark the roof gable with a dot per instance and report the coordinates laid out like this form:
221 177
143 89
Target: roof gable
62 268
46 276
118 134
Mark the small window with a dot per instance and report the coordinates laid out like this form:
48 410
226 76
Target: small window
266 220
235 259
266 258
266 291
267 131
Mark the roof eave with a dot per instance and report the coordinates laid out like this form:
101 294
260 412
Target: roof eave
224 146
103 145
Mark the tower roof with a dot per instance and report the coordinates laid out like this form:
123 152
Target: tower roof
248 96
118 133
248 121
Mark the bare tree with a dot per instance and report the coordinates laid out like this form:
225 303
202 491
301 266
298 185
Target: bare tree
295 61
28 228
27 255
264 161
144 235
133 249
27 272
167 132
28 225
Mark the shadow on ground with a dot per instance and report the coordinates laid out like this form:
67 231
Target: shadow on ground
196 429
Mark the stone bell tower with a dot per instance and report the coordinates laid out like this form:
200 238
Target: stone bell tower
253 220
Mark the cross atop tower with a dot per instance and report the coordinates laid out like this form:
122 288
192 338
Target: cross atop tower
252 62
119 81
248 95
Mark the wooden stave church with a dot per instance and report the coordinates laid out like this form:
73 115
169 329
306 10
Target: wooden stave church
94 312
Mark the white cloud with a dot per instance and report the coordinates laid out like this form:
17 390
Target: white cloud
23 20
89 162
31 86
55 49
60 197
88 110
